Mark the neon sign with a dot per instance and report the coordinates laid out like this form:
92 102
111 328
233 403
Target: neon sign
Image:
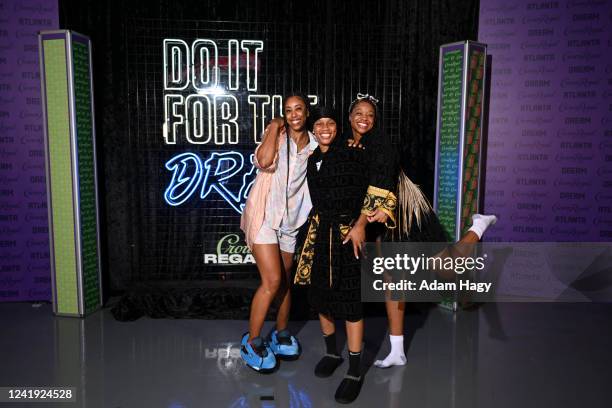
200 109
210 115
190 175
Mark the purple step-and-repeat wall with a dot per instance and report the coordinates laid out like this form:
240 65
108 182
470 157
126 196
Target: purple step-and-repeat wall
549 156
24 242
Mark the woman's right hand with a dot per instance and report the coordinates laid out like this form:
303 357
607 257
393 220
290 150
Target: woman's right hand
279 123
353 143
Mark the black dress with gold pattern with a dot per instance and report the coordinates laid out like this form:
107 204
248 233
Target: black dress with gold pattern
337 180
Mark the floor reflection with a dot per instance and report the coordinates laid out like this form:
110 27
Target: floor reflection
505 355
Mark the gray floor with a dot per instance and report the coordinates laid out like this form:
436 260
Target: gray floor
507 355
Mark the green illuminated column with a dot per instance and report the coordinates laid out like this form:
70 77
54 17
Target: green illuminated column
458 136
67 99
461 82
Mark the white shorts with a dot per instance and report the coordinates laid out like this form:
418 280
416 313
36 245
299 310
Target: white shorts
285 239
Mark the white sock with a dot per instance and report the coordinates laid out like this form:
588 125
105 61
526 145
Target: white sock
480 223
396 356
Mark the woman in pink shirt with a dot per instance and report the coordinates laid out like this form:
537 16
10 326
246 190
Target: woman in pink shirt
276 208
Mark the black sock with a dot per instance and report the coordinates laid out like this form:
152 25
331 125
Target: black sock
256 342
258 345
283 333
354 363
330 343
283 336
327 365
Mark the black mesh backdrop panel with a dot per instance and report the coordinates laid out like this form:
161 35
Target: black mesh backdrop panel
330 49
171 240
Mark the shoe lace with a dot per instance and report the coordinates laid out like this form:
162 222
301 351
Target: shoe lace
285 340
261 350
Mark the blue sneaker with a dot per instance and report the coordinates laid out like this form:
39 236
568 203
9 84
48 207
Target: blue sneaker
260 359
284 345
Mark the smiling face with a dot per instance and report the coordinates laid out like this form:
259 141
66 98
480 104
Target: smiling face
362 118
325 130
296 113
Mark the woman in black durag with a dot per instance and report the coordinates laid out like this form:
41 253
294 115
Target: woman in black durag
337 183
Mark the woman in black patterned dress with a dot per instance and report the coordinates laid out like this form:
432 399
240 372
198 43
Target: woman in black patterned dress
337 185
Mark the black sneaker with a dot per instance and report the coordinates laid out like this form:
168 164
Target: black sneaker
327 365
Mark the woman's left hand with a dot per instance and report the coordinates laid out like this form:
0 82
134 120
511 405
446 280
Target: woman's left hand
378 216
357 236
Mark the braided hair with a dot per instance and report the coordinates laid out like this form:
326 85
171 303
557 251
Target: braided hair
306 105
